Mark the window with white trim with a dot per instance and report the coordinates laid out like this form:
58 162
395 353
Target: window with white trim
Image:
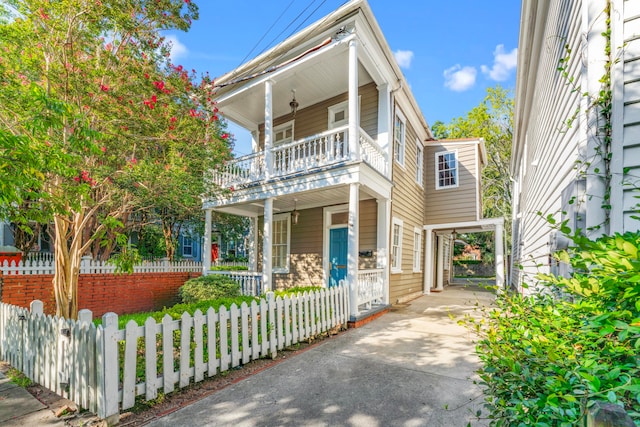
399 130
396 245
417 249
187 246
280 243
419 163
283 133
446 169
339 115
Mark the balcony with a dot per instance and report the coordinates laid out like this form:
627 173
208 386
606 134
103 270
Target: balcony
303 156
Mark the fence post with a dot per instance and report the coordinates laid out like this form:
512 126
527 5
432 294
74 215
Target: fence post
108 369
603 414
36 307
271 303
166 265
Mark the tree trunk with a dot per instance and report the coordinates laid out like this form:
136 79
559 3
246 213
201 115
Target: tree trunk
169 240
68 255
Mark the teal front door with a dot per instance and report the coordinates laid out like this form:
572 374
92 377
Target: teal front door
337 255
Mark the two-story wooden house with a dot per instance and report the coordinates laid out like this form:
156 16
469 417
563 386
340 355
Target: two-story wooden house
345 175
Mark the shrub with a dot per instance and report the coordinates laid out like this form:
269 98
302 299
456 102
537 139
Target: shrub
210 287
229 268
547 359
296 290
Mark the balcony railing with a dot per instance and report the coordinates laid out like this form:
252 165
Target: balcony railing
325 149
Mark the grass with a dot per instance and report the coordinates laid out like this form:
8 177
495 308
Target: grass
18 378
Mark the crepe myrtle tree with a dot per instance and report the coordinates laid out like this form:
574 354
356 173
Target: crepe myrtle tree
96 123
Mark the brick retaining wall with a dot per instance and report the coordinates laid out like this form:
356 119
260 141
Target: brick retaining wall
100 293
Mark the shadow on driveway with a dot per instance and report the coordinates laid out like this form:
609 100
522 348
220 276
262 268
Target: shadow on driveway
411 367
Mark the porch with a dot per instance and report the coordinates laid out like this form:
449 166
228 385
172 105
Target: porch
305 156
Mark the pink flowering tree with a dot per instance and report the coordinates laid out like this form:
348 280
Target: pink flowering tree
96 125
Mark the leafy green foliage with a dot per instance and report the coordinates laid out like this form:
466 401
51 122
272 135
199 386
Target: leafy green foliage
211 287
177 310
297 290
229 268
99 127
547 358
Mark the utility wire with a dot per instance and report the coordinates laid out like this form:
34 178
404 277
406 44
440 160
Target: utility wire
265 34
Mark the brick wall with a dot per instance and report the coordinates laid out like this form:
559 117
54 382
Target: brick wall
100 293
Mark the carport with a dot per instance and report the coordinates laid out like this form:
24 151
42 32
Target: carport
434 249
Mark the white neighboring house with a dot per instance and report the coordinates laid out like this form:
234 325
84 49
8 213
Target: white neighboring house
559 146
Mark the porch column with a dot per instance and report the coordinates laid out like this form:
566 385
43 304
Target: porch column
440 265
384 122
266 246
428 261
268 128
353 249
206 250
499 240
382 259
353 101
253 247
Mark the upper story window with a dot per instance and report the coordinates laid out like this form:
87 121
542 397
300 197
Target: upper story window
283 133
280 243
446 169
399 131
339 114
419 163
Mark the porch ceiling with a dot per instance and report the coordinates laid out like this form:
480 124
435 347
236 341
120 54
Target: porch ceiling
306 200
315 79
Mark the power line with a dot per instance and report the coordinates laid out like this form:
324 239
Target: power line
265 34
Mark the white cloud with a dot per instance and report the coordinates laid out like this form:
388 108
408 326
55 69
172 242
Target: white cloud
178 50
403 57
503 63
459 78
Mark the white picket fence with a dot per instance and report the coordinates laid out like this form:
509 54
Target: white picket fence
104 368
90 266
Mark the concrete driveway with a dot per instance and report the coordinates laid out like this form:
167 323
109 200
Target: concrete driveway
411 367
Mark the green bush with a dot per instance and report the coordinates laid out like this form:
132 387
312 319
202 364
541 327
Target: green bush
209 287
547 359
229 268
296 290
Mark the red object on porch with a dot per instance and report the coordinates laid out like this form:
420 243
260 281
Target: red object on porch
214 252
10 254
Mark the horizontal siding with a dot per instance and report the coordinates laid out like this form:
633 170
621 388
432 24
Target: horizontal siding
305 263
455 204
315 119
631 115
550 143
407 205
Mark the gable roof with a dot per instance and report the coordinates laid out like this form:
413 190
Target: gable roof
317 36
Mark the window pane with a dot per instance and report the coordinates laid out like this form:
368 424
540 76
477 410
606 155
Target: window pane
447 169
280 250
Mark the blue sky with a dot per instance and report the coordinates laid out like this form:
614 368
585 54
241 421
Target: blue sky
450 51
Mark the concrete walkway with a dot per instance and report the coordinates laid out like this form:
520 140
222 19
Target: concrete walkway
411 367
18 408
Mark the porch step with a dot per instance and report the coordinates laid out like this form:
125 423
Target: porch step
369 315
